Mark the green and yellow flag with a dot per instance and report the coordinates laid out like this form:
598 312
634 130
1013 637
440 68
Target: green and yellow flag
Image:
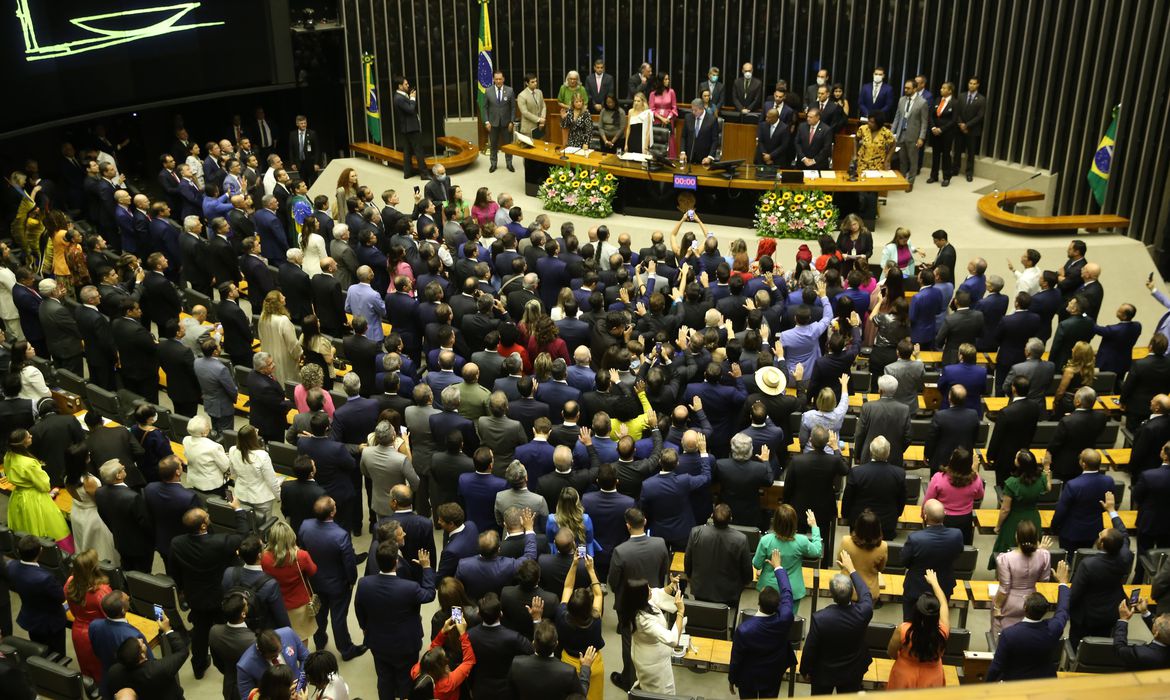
373 107
1103 161
483 68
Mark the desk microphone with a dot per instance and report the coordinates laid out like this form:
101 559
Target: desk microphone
1002 194
561 150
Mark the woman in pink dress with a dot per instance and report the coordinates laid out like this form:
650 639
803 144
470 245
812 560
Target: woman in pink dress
960 490
84 591
664 105
1018 571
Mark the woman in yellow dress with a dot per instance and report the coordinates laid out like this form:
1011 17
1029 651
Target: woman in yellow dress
27 227
875 146
31 508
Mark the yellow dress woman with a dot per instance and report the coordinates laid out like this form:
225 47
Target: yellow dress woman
27 227
31 508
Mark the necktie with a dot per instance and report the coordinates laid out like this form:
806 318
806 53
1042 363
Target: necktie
265 141
970 97
812 130
698 125
302 137
822 106
599 85
876 89
941 105
499 95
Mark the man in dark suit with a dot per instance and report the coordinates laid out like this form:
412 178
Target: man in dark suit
972 107
1142 657
759 656
305 154
160 298
936 547
1097 584
1150 491
701 135
1076 432
832 116
100 351
814 143
877 485
197 562
1026 651
53 438
1150 438
925 308
223 263
28 304
666 496
41 596
1038 371
300 494
360 351
295 285
177 361
1015 426
15 412
886 417
1148 376
813 479
331 548
194 248
740 478
717 562
1011 337
1069 276
266 604
543 675
495 646
387 608
329 299
773 141
965 325
876 96
641 557
147 676
993 306
190 195
237 330
597 85
270 231
137 351
835 656
167 501
957 426
229 641
489 572
107 633
1046 303
943 127
123 510
1115 354
256 273
1077 519
747 94
1077 326
607 508
409 128
62 335
168 179
499 114
335 470
462 538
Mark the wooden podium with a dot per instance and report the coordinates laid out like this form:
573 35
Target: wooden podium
739 141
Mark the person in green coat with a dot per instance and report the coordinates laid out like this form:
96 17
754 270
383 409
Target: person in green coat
31 508
571 87
1021 494
792 548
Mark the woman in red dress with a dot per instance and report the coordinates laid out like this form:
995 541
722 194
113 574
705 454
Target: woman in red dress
84 591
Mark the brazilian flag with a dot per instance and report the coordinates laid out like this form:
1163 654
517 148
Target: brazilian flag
484 69
373 107
1103 161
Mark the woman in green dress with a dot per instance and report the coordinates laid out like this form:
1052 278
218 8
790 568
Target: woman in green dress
571 88
31 508
792 548
1021 493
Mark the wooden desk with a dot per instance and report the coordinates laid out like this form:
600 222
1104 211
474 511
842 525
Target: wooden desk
63 500
991 209
981 598
465 153
986 518
856 400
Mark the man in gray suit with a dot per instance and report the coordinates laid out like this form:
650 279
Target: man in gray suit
641 557
910 373
965 325
910 122
218 386
422 443
229 641
315 401
717 562
343 258
517 495
386 467
886 416
1038 371
499 112
499 432
61 332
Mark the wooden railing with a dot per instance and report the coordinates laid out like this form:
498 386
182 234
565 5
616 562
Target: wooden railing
465 153
991 209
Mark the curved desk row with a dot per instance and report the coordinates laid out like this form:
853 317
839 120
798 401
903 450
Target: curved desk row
991 208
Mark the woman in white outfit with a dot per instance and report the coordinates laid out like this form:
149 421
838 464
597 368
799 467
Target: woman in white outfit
278 338
257 484
32 380
313 247
653 641
639 124
208 467
89 530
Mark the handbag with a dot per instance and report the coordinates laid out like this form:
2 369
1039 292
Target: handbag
314 599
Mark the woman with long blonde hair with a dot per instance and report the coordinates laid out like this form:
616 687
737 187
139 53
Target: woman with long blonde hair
570 515
278 337
84 590
1079 371
292 567
638 124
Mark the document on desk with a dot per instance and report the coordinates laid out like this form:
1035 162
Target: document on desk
636 157
811 174
879 173
573 150
828 174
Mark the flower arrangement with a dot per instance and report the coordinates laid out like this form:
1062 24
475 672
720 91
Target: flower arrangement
576 190
801 214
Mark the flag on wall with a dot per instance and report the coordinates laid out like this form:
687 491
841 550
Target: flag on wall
1103 161
484 68
373 107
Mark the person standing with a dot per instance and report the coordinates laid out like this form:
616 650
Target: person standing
641 614
877 96
717 562
942 128
499 114
409 128
387 607
814 143
304 151
1026 651
641 557
41 613
1097 585
972 107
598 85
933 548
760 653
329 545
835 656
917 645
1018 571
533 111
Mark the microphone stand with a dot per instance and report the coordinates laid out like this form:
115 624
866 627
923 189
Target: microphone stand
1002 194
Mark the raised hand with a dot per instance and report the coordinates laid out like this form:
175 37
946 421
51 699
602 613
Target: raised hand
424 559
696 404
811 517
765 454
1061 573
586 437
1110 503
846 561
536 609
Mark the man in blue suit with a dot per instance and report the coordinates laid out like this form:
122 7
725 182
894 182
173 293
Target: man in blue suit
1098 584
168 500
107 634
576 334
1077 520
553 275
935 546
442 376
555 392
41 596
387 608
1026 651
124 217
478 491
760 651
255 270
526 409
462 538
976 283
1012 335
666 497
449 420
835 656
489 572
191 198
580 375
607 509
722 402
876 96
1151 493
993 306
273 647
1046 303
1115 353
537 454
335 469
1142 657
950 428
925 307
273 239
329 545
965 373
266 607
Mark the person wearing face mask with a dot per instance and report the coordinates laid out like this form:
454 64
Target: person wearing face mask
748 93
876 96
715 85
810 92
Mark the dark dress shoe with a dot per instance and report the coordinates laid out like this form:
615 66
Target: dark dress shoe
970 178
510 168
932 180
492 169
946 182
616 679
353 652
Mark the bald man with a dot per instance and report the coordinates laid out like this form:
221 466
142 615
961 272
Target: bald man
1150 438
935 546
1092 290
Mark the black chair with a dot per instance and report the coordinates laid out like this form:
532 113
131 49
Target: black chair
919 429
178 424
1093 655
338 398
859 381
1048 500
53 559
114 574
795 639
7 541
1118 492
228 439
55 681
848 427
966 563
981 435
877 638
753 536
283 456
240 374
913 489
104 402
1080 555
191 298
711 620
1045 430
71 382
149 590
1056 555
1151 562
957 644
1108 437
290 389
1105 382
45 366
894 559
223 517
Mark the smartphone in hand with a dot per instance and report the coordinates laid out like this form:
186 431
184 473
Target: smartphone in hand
158 613
457 614
581 552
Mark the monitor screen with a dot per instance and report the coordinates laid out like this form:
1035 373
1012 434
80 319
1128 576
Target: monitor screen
68 58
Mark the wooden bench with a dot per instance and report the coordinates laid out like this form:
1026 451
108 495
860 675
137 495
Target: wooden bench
991 209
464 154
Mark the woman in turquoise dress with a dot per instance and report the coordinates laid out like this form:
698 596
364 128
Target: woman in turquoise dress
1021 493
792 547
31 508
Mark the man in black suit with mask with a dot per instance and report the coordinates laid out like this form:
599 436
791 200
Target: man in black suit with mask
748 93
